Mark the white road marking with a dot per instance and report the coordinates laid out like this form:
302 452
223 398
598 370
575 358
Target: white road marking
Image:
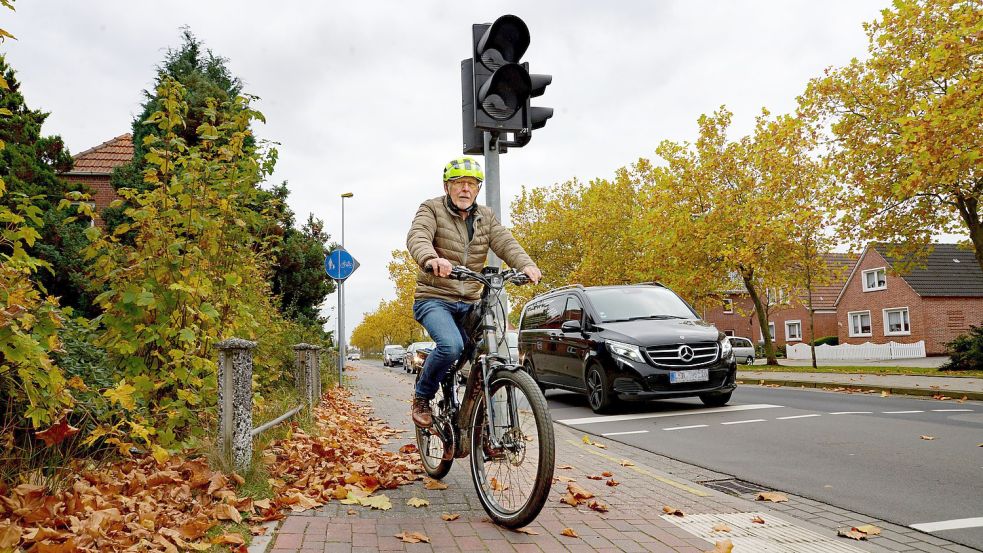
743 422
900 412
686 427
623 433
797 417
618 418
954 524
952 410
852 413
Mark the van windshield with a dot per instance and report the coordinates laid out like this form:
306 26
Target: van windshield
638 302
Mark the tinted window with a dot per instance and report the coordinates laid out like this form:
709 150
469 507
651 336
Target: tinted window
554 311
535 315
574 311
638 302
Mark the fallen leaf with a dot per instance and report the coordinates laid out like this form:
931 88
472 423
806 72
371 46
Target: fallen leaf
927 437
725 546
600 445
672 511
758 520
413 537
498 486
565 467
564 479
598 506
352 512
9 535
258 530
586 440
774 497
570 500
432 484
224 511
612 482
594 477
607 474
852 534
627 463
868 529
578 492
408 448
526 530
568 532
449 517
58 432
377 502
885 393
417 502
228 539
721 527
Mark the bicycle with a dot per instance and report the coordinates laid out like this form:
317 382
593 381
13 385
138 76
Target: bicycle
516 434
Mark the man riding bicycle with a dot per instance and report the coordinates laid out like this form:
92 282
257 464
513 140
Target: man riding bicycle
452 230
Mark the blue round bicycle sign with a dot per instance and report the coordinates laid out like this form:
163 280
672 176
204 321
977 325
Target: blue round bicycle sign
339 264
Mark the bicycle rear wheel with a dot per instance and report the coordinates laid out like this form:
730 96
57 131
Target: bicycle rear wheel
513 477
429 441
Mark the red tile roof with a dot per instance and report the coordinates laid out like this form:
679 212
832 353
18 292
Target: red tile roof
102 159
839 265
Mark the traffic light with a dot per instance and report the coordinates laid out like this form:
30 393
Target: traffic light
496 87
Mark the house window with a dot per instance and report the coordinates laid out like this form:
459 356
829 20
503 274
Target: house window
728 333
793 331
771 331
875 279
860 323
91 205
896 322
728 305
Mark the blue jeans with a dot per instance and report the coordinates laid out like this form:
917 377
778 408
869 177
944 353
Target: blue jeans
443 320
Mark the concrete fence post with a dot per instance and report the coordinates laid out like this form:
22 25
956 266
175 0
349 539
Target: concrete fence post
235 400
307 370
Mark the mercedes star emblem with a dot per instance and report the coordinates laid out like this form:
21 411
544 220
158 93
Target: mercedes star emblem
686 353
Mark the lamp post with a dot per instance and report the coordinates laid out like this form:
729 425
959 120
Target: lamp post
341 300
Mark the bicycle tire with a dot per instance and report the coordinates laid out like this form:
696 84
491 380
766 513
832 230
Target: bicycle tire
435 468
543 480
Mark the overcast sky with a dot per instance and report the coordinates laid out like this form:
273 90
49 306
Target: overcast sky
365 97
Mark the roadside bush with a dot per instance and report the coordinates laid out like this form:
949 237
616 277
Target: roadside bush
966 351
829 340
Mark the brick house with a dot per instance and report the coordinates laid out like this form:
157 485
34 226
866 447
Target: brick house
93 167
934 303
789 321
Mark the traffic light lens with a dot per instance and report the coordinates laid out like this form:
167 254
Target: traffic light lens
498 107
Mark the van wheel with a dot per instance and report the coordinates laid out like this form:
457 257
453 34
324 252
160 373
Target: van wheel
750 360
598 390
716 400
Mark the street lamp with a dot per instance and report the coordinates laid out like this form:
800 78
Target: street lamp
341 300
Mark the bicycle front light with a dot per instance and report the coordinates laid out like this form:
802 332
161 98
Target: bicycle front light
628 351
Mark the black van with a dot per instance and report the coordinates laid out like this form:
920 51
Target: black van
630 342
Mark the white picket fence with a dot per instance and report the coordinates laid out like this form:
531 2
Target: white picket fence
848 352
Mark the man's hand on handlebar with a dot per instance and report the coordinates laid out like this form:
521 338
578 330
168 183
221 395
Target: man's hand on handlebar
440 267
533 273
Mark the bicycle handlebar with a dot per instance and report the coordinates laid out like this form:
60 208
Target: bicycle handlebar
461 272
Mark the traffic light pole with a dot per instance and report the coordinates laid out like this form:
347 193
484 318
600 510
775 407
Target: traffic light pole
493 197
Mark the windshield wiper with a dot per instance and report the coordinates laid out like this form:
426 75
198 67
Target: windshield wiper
657 317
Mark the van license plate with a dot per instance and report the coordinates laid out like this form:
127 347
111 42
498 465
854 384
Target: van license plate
695 375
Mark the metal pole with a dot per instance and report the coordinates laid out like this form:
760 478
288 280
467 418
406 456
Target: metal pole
341 307
492 190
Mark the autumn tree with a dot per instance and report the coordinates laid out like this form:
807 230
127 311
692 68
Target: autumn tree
907 125
733 207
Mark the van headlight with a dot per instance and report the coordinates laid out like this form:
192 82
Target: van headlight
726 348
628 351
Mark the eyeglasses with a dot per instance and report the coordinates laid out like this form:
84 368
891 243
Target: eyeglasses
473 185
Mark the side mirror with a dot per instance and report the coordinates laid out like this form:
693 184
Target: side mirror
571 326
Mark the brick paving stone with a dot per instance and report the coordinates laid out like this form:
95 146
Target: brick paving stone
632 523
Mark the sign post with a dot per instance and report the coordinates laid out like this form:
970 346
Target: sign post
339 264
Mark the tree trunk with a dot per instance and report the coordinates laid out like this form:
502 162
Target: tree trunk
812 317
969 211
762 319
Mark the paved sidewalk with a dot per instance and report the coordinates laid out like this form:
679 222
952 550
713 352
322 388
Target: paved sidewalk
955 387
635 521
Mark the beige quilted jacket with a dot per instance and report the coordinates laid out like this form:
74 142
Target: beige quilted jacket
437 231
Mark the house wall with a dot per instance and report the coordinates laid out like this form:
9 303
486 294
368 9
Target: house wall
744 322
897 294
99 189
947 318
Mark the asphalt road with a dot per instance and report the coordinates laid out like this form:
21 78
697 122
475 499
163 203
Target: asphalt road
859 452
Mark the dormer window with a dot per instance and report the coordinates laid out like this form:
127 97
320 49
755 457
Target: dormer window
875 279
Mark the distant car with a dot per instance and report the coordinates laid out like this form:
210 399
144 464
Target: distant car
355 356
411 361
743 349
393 355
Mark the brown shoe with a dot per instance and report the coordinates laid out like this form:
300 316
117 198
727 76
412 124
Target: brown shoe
422 415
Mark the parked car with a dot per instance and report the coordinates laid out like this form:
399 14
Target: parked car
393 355
411 361
743 349
354 356
631 342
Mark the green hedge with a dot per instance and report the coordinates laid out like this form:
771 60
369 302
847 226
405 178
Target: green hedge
831 340
966 351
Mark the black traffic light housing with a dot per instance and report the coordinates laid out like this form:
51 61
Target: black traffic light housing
496 88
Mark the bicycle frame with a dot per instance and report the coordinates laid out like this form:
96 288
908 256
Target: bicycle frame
462 411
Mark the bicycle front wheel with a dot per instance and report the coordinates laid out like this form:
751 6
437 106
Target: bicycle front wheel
512 470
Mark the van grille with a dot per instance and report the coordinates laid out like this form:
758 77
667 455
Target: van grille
678 355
